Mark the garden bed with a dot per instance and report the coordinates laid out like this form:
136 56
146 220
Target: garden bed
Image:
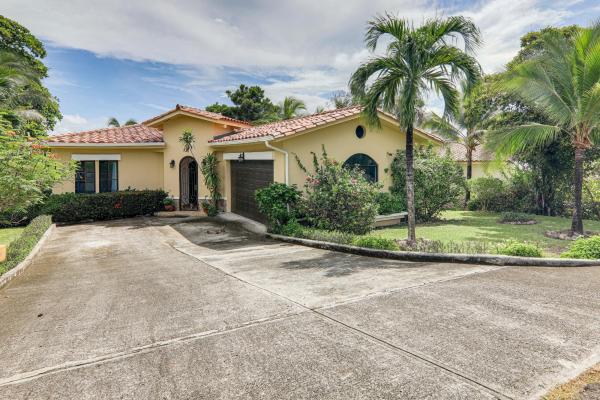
485 259
482 229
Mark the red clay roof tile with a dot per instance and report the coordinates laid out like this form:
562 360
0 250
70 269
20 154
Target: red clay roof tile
198 112
290 127
125 134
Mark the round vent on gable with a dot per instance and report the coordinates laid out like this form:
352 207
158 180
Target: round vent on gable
360 132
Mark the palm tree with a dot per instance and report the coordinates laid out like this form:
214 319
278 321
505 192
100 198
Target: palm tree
112 121
563 83
465 126
290 107
416 60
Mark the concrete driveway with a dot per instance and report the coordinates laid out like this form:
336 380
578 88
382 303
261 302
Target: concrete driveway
151 309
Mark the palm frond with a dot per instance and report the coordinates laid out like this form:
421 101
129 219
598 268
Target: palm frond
385 24
510 140
442 126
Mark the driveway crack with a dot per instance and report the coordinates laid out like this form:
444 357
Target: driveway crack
401 350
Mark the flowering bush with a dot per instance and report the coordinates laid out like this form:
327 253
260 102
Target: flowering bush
338 198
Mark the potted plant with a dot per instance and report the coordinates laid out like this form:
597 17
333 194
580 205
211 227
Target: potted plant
205 204
169 204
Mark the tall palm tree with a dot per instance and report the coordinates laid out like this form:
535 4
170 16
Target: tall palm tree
563 83
291 107
466 127
416 60
112 121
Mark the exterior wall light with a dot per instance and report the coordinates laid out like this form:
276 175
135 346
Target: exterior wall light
172 163
241 157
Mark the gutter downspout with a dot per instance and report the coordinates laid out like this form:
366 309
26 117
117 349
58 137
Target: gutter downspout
285 153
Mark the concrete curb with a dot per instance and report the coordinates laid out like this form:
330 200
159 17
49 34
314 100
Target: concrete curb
485 259
22 266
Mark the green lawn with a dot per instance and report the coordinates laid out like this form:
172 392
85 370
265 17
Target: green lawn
7 235
473 226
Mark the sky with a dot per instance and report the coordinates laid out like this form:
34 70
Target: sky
136 59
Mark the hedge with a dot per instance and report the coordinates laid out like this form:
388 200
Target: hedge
76 207
22 246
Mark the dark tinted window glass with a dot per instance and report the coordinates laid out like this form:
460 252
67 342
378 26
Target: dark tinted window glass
364 163
109 176
85 177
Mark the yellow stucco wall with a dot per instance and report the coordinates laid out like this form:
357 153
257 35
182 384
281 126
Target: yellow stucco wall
340 142
138 168
203 131
149 168
483 169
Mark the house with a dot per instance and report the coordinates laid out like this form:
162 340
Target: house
483 163
150 156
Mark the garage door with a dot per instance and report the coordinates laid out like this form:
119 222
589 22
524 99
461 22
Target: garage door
246 177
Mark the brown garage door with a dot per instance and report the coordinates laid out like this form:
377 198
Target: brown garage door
246 177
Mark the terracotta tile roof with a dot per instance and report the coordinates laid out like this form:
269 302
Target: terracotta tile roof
459 152
125 134
293 126
198 112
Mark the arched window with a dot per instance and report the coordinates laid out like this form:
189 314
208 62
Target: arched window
364 163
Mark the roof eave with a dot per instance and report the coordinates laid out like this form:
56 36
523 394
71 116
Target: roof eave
80 144
173 113
242 141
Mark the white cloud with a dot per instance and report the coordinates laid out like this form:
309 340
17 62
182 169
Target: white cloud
76 123
316 44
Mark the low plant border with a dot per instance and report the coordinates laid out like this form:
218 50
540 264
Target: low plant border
487 259
26 262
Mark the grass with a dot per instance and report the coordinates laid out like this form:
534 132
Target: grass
7 235
475 226
573 389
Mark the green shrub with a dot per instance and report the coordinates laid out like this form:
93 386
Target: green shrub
338 198
375 242
292 228
389 204
515 193
488 194
279 203
22 246
76 207
439 183
513 248
327 236
511 216
584 248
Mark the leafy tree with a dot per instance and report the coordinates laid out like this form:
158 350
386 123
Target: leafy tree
290 107
563 84
17 39
112 121
416 59
27 172
466 127
26 106
532 44
250 104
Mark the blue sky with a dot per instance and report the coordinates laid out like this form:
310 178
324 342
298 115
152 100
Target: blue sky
136 59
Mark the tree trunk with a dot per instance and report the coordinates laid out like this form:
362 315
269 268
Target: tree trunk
410 185
469 174
577 223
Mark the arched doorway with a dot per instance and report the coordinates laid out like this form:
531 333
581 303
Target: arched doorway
365 164
188 184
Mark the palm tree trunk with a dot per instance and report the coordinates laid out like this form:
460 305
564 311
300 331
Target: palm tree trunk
577 222
469 174
410 185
